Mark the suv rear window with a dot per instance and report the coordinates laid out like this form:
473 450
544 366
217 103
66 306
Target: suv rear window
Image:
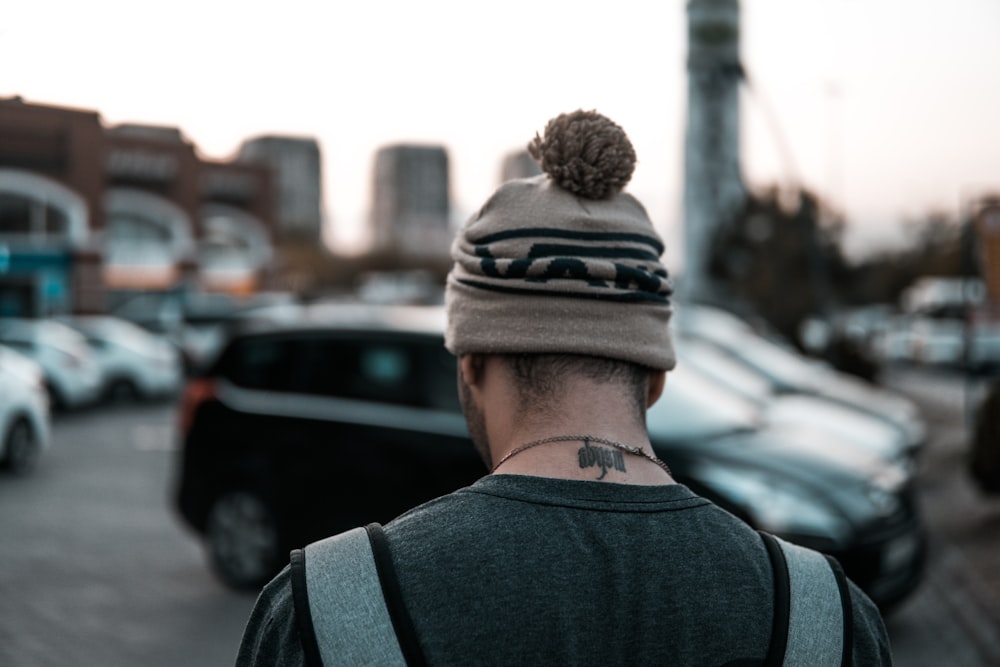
402 371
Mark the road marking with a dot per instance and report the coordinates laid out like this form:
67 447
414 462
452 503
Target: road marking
150 438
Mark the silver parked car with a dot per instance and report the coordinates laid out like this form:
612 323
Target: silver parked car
72 376
852 427
25 425
788 372
134 363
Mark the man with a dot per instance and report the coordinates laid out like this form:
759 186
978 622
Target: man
579 547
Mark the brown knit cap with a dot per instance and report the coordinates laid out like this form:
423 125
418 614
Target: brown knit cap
564 262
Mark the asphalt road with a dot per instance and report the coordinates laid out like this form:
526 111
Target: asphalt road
95 569
954 617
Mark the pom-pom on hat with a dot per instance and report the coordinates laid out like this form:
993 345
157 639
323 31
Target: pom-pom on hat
564 262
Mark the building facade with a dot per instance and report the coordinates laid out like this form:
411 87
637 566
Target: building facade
411 201
297 168
91 216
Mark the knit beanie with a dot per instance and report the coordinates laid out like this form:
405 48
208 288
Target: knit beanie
564 262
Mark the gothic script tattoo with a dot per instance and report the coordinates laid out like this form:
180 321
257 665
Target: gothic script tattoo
601 457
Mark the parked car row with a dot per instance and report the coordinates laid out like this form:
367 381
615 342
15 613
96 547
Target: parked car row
90 359
854 428
194 324
786 372
942 322
134 364
331 417
939 341
49 365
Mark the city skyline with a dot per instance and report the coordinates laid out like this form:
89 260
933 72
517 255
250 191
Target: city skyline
884 107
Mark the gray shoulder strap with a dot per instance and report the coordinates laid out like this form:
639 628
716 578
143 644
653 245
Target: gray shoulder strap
349 614
816 626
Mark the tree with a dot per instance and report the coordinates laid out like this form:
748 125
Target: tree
939 246
780 258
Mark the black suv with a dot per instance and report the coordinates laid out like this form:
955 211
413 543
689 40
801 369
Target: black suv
301 430
338 416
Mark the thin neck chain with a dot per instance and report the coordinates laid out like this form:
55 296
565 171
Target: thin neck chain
628 449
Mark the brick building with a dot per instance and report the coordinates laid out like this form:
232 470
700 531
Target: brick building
92 215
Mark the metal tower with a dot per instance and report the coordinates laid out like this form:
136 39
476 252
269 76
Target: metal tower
713 183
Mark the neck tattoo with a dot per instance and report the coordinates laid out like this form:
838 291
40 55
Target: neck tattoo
591 456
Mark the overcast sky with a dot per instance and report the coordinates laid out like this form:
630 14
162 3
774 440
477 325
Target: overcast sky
887 107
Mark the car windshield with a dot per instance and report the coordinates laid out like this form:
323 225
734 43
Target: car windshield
725 369
26 334
63 338
121 333
695 407
780 364
783 366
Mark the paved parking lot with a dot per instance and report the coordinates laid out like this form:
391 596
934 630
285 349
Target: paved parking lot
954 618
95 570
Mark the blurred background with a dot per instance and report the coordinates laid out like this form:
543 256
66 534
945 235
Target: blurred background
826 176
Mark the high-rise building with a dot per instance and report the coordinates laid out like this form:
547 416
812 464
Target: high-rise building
518 164
411 211
297 168
713 182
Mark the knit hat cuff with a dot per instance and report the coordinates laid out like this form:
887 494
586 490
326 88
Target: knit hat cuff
510 323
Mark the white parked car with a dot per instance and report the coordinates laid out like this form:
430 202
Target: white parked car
851 427
25 424
72 376
134 363
789 372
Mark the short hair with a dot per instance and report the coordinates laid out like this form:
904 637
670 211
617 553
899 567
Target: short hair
539 376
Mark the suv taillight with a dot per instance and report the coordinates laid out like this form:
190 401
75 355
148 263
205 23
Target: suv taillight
196 392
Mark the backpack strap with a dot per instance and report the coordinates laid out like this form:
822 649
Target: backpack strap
847 607
345 611
812 608
406 634
782 605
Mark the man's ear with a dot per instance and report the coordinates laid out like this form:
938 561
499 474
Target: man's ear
470 368
657 380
